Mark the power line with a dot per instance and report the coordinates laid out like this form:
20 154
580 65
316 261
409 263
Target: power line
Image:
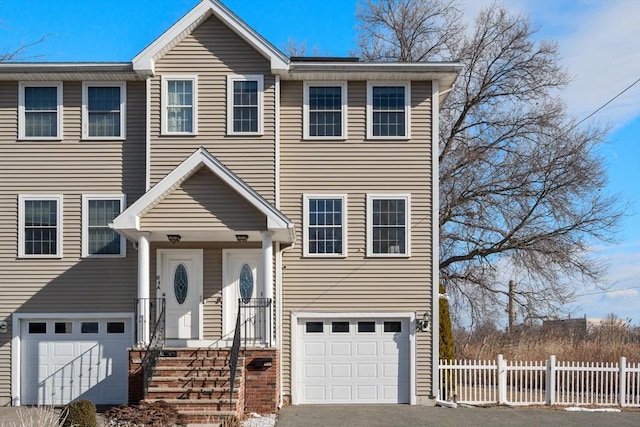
605 104
607 291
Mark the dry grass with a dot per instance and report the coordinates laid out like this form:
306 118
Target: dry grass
603 344
41 416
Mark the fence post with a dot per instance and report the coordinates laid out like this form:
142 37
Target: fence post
623 381
551 380
502 380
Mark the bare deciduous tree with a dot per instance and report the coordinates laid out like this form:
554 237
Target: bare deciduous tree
521 185
20 53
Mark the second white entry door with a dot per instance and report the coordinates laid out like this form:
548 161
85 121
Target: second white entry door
242 280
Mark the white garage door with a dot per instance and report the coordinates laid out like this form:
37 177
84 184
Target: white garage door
353 360
66 359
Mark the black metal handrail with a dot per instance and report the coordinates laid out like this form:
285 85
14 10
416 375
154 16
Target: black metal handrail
256 321
157 336
233 363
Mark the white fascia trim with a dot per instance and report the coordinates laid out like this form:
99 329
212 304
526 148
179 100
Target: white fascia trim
296 316
129 219
407 109
145 60
123 110
343 113
164 94
305 224
16 327
259 78
59 229
435 238
389 196
21 111
85 224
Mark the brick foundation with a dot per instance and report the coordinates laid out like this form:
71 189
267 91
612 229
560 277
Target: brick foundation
262 386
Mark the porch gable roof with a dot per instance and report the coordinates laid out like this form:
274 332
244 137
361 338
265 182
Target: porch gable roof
128 222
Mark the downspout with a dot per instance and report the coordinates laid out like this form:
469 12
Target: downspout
278 283
435 242
148 136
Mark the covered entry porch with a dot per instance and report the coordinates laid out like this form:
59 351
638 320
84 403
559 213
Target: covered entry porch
206 243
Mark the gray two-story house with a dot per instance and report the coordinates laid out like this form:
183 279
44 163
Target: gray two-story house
213 181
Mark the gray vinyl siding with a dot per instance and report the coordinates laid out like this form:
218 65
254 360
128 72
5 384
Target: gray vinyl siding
71 167
212 52
206 203
357 167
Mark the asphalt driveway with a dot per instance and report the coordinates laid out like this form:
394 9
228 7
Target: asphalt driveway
404 415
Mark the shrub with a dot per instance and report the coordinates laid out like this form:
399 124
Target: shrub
447 347
156 414
80 413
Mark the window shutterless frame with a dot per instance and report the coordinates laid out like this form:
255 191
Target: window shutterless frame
318 104
183 101
104 109
307 223
386 221
30 202
243 109
386 111
29 107
88 224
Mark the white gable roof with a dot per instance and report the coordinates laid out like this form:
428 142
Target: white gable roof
145 60
128 222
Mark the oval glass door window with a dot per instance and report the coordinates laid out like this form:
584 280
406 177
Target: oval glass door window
180 283
246 283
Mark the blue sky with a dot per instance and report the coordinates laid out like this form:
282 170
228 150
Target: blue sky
599 41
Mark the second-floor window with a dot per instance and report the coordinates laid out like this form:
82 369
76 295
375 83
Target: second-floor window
179 105
388 221
325 225
40 110
103 110
388 111
325 106
244 104
98 239
40 226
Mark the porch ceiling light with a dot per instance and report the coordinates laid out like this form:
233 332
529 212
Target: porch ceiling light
174 238
242 237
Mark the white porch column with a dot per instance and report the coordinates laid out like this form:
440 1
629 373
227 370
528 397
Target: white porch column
143 289
267 268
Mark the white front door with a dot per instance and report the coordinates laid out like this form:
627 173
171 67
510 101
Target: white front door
180 272
242 271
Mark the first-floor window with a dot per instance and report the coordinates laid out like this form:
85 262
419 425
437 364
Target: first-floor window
388 220
40 226
325 225
99 239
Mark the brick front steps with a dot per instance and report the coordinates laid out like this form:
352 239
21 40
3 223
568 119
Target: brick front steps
196 381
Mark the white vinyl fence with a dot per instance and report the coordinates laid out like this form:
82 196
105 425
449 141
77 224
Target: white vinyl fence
540 383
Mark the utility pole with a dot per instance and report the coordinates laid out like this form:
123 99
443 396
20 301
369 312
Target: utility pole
511 307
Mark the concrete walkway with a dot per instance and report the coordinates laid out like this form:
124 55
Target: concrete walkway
403 415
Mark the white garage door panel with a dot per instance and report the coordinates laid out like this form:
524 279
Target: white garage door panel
353 366
60 365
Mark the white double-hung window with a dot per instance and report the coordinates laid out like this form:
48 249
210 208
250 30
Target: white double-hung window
103 110
388 112
40 110
98 240
245 104
388 225
325 110
40 226
179 105
325 225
